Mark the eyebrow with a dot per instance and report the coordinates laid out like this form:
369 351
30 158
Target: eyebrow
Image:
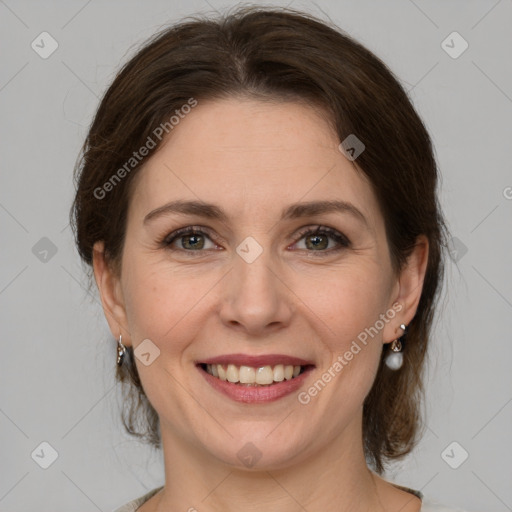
293 211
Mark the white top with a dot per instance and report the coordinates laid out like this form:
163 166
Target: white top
427 504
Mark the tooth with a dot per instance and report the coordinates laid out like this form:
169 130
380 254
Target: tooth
264 375
232 373
247 375
221 372
278 372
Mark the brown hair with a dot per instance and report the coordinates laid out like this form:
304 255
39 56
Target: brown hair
272 53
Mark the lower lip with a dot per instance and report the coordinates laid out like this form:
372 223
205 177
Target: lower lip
256 394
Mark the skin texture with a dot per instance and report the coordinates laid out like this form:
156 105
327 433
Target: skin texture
252 159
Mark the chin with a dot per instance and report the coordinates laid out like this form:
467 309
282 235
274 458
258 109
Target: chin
258 452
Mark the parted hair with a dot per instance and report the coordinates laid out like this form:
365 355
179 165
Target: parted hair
275 54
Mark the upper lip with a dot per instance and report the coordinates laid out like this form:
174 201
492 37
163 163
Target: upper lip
256 361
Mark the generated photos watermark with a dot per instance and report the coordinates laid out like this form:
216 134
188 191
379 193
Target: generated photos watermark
158 133
304 397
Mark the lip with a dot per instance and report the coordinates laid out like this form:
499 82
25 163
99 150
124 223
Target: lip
257 361
255 394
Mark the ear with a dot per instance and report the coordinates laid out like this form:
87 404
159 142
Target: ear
407 292
112 299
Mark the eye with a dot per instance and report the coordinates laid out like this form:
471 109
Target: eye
195 239
317 240
188 239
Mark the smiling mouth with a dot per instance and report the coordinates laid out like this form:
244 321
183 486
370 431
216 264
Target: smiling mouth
249 376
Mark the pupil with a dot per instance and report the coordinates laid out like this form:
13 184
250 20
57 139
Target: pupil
194 243
317 241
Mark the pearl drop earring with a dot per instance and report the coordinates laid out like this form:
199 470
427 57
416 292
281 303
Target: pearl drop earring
395 359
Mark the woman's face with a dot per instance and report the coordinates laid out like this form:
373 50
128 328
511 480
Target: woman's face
250 283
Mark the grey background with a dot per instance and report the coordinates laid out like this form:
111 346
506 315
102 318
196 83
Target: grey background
57 361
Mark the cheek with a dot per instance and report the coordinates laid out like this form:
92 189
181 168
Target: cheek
162 305
164 309
351 308
352 300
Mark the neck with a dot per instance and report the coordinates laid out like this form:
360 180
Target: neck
335 478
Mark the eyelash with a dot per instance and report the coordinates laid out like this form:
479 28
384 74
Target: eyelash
341 239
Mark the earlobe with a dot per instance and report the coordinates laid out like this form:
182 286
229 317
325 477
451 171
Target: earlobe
111 294
410 286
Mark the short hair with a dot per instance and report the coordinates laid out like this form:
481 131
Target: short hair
288 55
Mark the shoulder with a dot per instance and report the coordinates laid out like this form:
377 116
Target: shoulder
428 505
133 505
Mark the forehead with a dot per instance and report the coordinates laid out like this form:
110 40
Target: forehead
256 156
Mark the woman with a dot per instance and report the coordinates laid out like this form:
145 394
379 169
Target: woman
257 200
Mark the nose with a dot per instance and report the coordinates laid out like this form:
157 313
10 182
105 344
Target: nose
255 299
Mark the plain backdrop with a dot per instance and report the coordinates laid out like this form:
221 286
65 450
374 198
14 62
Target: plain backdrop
57 356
